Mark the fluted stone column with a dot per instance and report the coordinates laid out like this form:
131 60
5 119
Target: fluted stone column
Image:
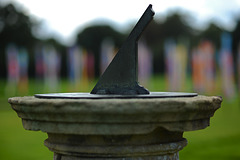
117 129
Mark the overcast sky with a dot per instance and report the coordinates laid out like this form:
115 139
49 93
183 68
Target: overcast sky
63 18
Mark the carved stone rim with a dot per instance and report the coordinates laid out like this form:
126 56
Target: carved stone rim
115 116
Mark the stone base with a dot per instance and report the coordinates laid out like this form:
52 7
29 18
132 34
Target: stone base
116 128
174 156
160 144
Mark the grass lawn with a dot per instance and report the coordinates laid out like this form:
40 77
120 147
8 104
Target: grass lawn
220 141
15 142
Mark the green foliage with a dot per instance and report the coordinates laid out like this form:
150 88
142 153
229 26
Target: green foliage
212 33
236 37
15 27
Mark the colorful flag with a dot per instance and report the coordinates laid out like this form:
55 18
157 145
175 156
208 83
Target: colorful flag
90 65
176 65
181 67
12 70
39 63
23 70
203 70
84 79
52 64
145 67
169 51
226 66
74 66
107 54
238 66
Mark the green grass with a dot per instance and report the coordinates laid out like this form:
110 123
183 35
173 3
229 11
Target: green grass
220 141
17 143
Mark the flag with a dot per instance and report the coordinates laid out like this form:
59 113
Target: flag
107 54
203 71
145 67
23 70
238 66
12 69
74 66
176 65
90 65
226 66
52 64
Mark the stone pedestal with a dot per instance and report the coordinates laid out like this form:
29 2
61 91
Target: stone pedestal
116 129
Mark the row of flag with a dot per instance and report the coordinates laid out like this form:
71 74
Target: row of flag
47 60
204 61
47 67
80 67
206 64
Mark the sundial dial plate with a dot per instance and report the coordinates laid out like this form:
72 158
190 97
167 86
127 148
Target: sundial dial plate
97 96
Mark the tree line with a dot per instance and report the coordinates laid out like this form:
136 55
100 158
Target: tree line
16 27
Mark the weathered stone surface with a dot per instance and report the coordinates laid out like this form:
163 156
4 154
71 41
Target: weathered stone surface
115 116
174 156
158 145
115 129
112 150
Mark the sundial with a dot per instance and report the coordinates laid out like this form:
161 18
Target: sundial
118 119
120 79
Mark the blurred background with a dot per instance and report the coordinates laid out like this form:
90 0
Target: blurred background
64 46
